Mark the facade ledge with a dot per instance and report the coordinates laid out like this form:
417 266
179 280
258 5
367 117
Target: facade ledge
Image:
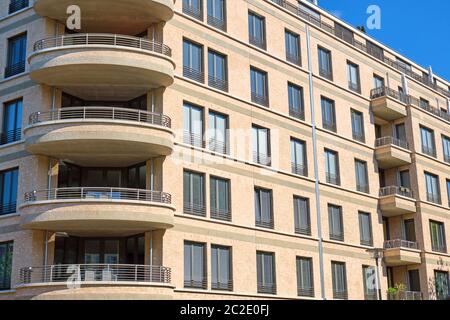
9 216
14 14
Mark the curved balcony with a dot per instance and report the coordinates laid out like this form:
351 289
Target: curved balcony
111 281
87 211
118 16
103 67
107 136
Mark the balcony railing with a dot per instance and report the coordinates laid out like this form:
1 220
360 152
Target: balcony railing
429 151
196 75
305 292
196 284
226 286
16 5
354 87
433 197
303 230
98 194
363 188
327 74
194 209
267 288
8 208
371 295
193 139
14 69
447 158
342 295
359 136
218 146
331 126
405 295
386 141
337 236
260 99
399 243
262 158
435 111
294 58
103 39
388 92
265 224
220 84
10 136
95 273
394 190
332 178
258 42
220 214
299 114
299 169
195 12
103 113
217 23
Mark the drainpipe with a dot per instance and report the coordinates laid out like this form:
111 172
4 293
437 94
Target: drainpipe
152 174
316 166
46 250
151 248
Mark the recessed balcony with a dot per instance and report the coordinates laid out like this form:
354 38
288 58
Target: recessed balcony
93 136
391 152
117 16
102 67
97 211
401 253
388 104
396 201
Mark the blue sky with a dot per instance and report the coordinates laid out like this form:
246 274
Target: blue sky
420 30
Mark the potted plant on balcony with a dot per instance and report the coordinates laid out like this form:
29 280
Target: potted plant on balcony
396 292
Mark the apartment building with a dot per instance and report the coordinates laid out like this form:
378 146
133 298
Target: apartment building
216 149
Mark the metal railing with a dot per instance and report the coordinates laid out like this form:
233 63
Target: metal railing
197 284
434 197
294 58
103 39
395 190
226 286
11 136
363 188
194 209
359 136
413 101
399 243
8 208
220 24
297 114
303 230
192 11
388 92
342 295
261 158
193 139
16 5
260 99
305 292
405 295
333 178
14 69
327 74
258 42
299 169
196 75
265 224
108 113
386 141
220 146
220 84
354 87
331 126
429 151
447 158
337 236
267 288
95 273
220 214
101 194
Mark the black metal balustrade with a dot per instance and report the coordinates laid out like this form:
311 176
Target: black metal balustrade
16 5
14 69
394 190
10 136
193 74
217 83
217 23
386 141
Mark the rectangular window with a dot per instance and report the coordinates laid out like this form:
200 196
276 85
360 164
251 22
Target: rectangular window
343 33
374 50
217 71
194 193
448 191
414 280
446 148
193 125
441 280
16 5
332 167
220 198
432 187
378 82
17 51
298 157
302 218
437 232
424 104
328 114
259 87
428 143
194 265
265 265
217 16
365 229
369 282
6 254
193 61
339 278
325 64
12 122
263 208
193 8
305 280
8 184
292 42
353 77
261 145
218 131
335 222
362 180
358 126
221 271
296 107
257 30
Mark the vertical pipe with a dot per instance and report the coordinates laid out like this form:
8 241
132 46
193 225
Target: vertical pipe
46 251
151 248
152 174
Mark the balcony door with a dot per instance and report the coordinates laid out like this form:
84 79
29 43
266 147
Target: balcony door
409 230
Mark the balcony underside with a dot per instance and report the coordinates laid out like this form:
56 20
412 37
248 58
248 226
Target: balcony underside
390 157
105 73
394 205
388 108
117 16
401 257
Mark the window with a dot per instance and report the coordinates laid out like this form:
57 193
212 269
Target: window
298 157
343 33
12 122
17 50
217 71
296 108
437 232
325 64
194 265
193 125
328 114
369 282
263 208
194 193
358 126
414 280
265 265
217 14
378 82
259 87
424 103
257 30
362 180
448 191
16 5
365 229
375 50
353 77
261 145
292 41
6 254
8 184
220 198
446 148
305 280
221 274
428 145
218 131
193 8
332 167
301 216
335 222
400 134
339 277
193 61
442 285
433 190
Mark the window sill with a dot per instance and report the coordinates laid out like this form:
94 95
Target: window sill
14 77
12 144
9 215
